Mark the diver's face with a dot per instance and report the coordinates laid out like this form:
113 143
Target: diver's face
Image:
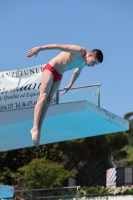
22 183
91 60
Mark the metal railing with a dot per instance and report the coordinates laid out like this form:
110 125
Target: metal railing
51 193
80 87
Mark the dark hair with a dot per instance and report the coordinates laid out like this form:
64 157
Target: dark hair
98 54
22 179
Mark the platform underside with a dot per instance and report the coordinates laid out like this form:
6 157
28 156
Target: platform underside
65 121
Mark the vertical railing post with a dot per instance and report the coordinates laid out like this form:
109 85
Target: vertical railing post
31 197
57 97
99 96
77 197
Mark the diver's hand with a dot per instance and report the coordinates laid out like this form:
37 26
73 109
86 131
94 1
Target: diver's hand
65 90
33 52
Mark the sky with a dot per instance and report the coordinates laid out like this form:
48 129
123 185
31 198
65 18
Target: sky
102 24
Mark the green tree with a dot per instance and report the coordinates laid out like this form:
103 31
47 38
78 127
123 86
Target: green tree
82 154
79 154
42 173
126 160
10 161
129 116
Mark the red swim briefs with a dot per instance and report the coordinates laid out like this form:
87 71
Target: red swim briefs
56 74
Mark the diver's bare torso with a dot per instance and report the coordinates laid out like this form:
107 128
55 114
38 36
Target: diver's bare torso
66 61
20 194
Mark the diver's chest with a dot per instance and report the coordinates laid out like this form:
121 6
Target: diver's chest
77 62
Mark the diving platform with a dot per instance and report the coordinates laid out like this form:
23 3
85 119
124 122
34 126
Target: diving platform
65 121
76 114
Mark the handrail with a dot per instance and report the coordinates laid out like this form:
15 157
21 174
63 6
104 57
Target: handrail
51 189
81 87
47 189
76 195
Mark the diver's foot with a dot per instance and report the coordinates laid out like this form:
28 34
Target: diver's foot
35 136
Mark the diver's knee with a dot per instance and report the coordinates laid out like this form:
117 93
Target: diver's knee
42 99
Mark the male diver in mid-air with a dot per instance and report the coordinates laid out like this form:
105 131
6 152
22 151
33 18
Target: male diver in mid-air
71 56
